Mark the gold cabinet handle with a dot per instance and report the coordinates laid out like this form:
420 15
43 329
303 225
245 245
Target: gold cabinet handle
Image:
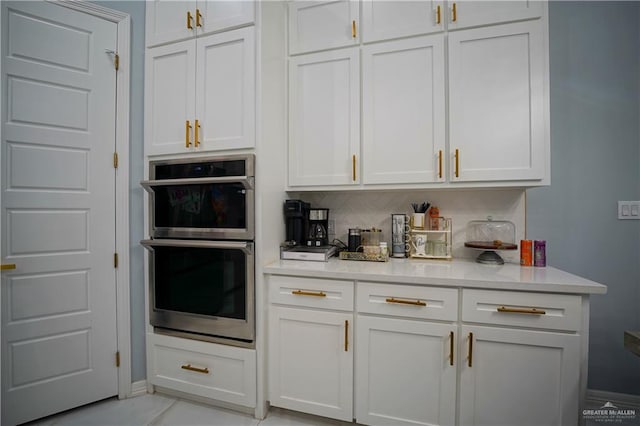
439 163
309 293
196 129
438 15
7 267
189 20
353 29
198 18
353 166
187 142
451 348
346 335
454 13
196 369
457 168
470 357
529 311
406 302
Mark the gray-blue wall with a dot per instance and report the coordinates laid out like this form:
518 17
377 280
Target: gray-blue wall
136 9
595 153
595 97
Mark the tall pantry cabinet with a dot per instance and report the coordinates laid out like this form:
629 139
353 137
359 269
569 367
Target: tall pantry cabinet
436 94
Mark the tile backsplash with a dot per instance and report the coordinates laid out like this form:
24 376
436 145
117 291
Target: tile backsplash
374 209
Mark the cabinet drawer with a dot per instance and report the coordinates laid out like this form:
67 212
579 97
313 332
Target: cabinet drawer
539 310
219 372
408 301
311 292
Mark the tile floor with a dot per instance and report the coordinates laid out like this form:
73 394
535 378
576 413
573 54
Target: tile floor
162 410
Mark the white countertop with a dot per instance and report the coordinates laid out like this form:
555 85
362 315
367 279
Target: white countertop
454 273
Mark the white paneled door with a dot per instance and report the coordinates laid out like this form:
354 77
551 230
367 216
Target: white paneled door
58 213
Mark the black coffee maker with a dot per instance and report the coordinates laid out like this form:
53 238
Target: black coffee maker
296 217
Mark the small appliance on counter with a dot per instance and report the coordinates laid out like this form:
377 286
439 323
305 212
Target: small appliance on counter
490 236
306 232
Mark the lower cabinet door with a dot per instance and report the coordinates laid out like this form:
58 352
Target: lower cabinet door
311 361
405 372
518 377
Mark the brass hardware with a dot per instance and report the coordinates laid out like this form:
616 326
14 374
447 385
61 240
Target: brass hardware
187 142
532 311
454 11
457 156
439 161
346 335
438 15
118 359
7 267
196 369
451 348
470 357
406 302
353 29
189 20
196 129
115 260
309 293
116 61
353 160
115 160
198 18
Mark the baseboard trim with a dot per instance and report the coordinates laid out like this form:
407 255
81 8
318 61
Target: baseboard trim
623 400
139 388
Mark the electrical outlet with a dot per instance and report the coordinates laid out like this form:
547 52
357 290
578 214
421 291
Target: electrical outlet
332 227
629 210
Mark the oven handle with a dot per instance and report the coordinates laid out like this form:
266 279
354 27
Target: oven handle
246 181
245 246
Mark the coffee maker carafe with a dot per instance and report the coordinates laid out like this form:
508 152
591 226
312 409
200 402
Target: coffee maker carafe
318 227
296 216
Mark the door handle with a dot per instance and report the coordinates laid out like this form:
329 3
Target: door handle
7 267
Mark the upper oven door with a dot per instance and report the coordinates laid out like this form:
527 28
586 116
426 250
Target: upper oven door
203 207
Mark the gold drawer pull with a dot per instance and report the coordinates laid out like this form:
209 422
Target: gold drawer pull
470 355
451 348
7 267
406 302
309 293
531 311
346 335
196 369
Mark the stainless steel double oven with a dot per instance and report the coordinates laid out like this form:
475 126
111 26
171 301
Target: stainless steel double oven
201 248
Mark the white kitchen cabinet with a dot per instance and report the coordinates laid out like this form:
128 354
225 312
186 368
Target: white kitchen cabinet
311 361
403 105
385 20
497 103
200 94
324 118
220 372
171 21
321 25
471 13
518 377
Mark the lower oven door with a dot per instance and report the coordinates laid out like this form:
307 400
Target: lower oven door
202 287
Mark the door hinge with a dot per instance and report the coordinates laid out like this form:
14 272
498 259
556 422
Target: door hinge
116 61
115 160
118 359
115 260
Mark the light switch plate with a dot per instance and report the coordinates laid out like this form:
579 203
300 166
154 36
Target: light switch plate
629 210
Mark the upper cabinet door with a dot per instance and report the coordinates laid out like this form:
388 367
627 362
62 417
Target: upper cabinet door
225 90
320 25
496 103
324 118
383 20
404 111
169 21
169 98
471 13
